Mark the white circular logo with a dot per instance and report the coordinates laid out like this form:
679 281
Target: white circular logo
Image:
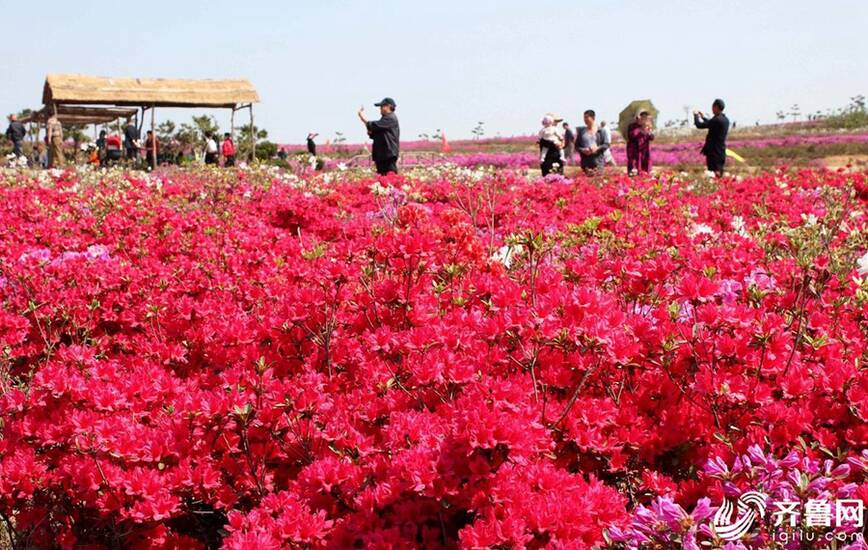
751 505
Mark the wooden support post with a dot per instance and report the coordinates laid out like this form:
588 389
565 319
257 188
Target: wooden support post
252 136
153 136
232 124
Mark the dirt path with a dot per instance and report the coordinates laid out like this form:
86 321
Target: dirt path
843 161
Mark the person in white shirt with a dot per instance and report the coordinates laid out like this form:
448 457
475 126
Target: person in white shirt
210 149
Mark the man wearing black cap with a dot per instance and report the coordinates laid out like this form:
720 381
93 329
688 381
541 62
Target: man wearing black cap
715 141
386 135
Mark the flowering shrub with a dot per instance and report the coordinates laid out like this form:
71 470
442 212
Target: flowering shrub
465 358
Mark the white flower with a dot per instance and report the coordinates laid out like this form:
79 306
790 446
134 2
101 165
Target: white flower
810 220
739 226
378 189
700 229
506 253
862 265
342 166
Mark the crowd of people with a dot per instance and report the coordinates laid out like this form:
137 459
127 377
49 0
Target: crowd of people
109 148
558 142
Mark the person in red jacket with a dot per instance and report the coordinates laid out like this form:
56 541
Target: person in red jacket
228 150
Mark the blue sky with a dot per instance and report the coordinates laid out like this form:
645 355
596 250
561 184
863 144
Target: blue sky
450 64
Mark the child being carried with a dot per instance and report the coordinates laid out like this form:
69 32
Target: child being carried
550 136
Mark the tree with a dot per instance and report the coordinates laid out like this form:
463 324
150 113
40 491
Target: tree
479 130
76 133
206 124
243 142
166 131
795 111
188 136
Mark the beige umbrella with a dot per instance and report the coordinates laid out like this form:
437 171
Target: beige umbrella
632 110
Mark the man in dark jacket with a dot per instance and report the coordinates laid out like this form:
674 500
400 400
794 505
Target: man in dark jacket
386 135
131 138
715 141
16 132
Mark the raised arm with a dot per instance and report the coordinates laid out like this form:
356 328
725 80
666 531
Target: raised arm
362 116
699 120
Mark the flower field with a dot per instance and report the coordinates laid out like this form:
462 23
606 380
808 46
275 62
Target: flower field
520 153
451 358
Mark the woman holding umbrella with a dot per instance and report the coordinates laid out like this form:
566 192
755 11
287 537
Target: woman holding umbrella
639 137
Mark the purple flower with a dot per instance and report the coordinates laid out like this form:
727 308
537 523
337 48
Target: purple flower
685 312
702 511
97 252
791 460
761 280
40 255
670 512
716 467
756 453
729 291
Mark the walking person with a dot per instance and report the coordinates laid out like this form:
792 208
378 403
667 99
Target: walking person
311 144
608 159
639 137
715 141
101 147
210 149
592 144
15 133
386 136
228 150
152 150
569 143
54 137
131 140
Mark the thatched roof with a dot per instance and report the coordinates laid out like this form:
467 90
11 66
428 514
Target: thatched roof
159 92
69 114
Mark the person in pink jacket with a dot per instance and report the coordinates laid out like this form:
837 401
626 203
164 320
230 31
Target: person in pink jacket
639 137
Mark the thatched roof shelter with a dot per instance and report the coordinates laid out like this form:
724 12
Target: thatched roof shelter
61 90
152 92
